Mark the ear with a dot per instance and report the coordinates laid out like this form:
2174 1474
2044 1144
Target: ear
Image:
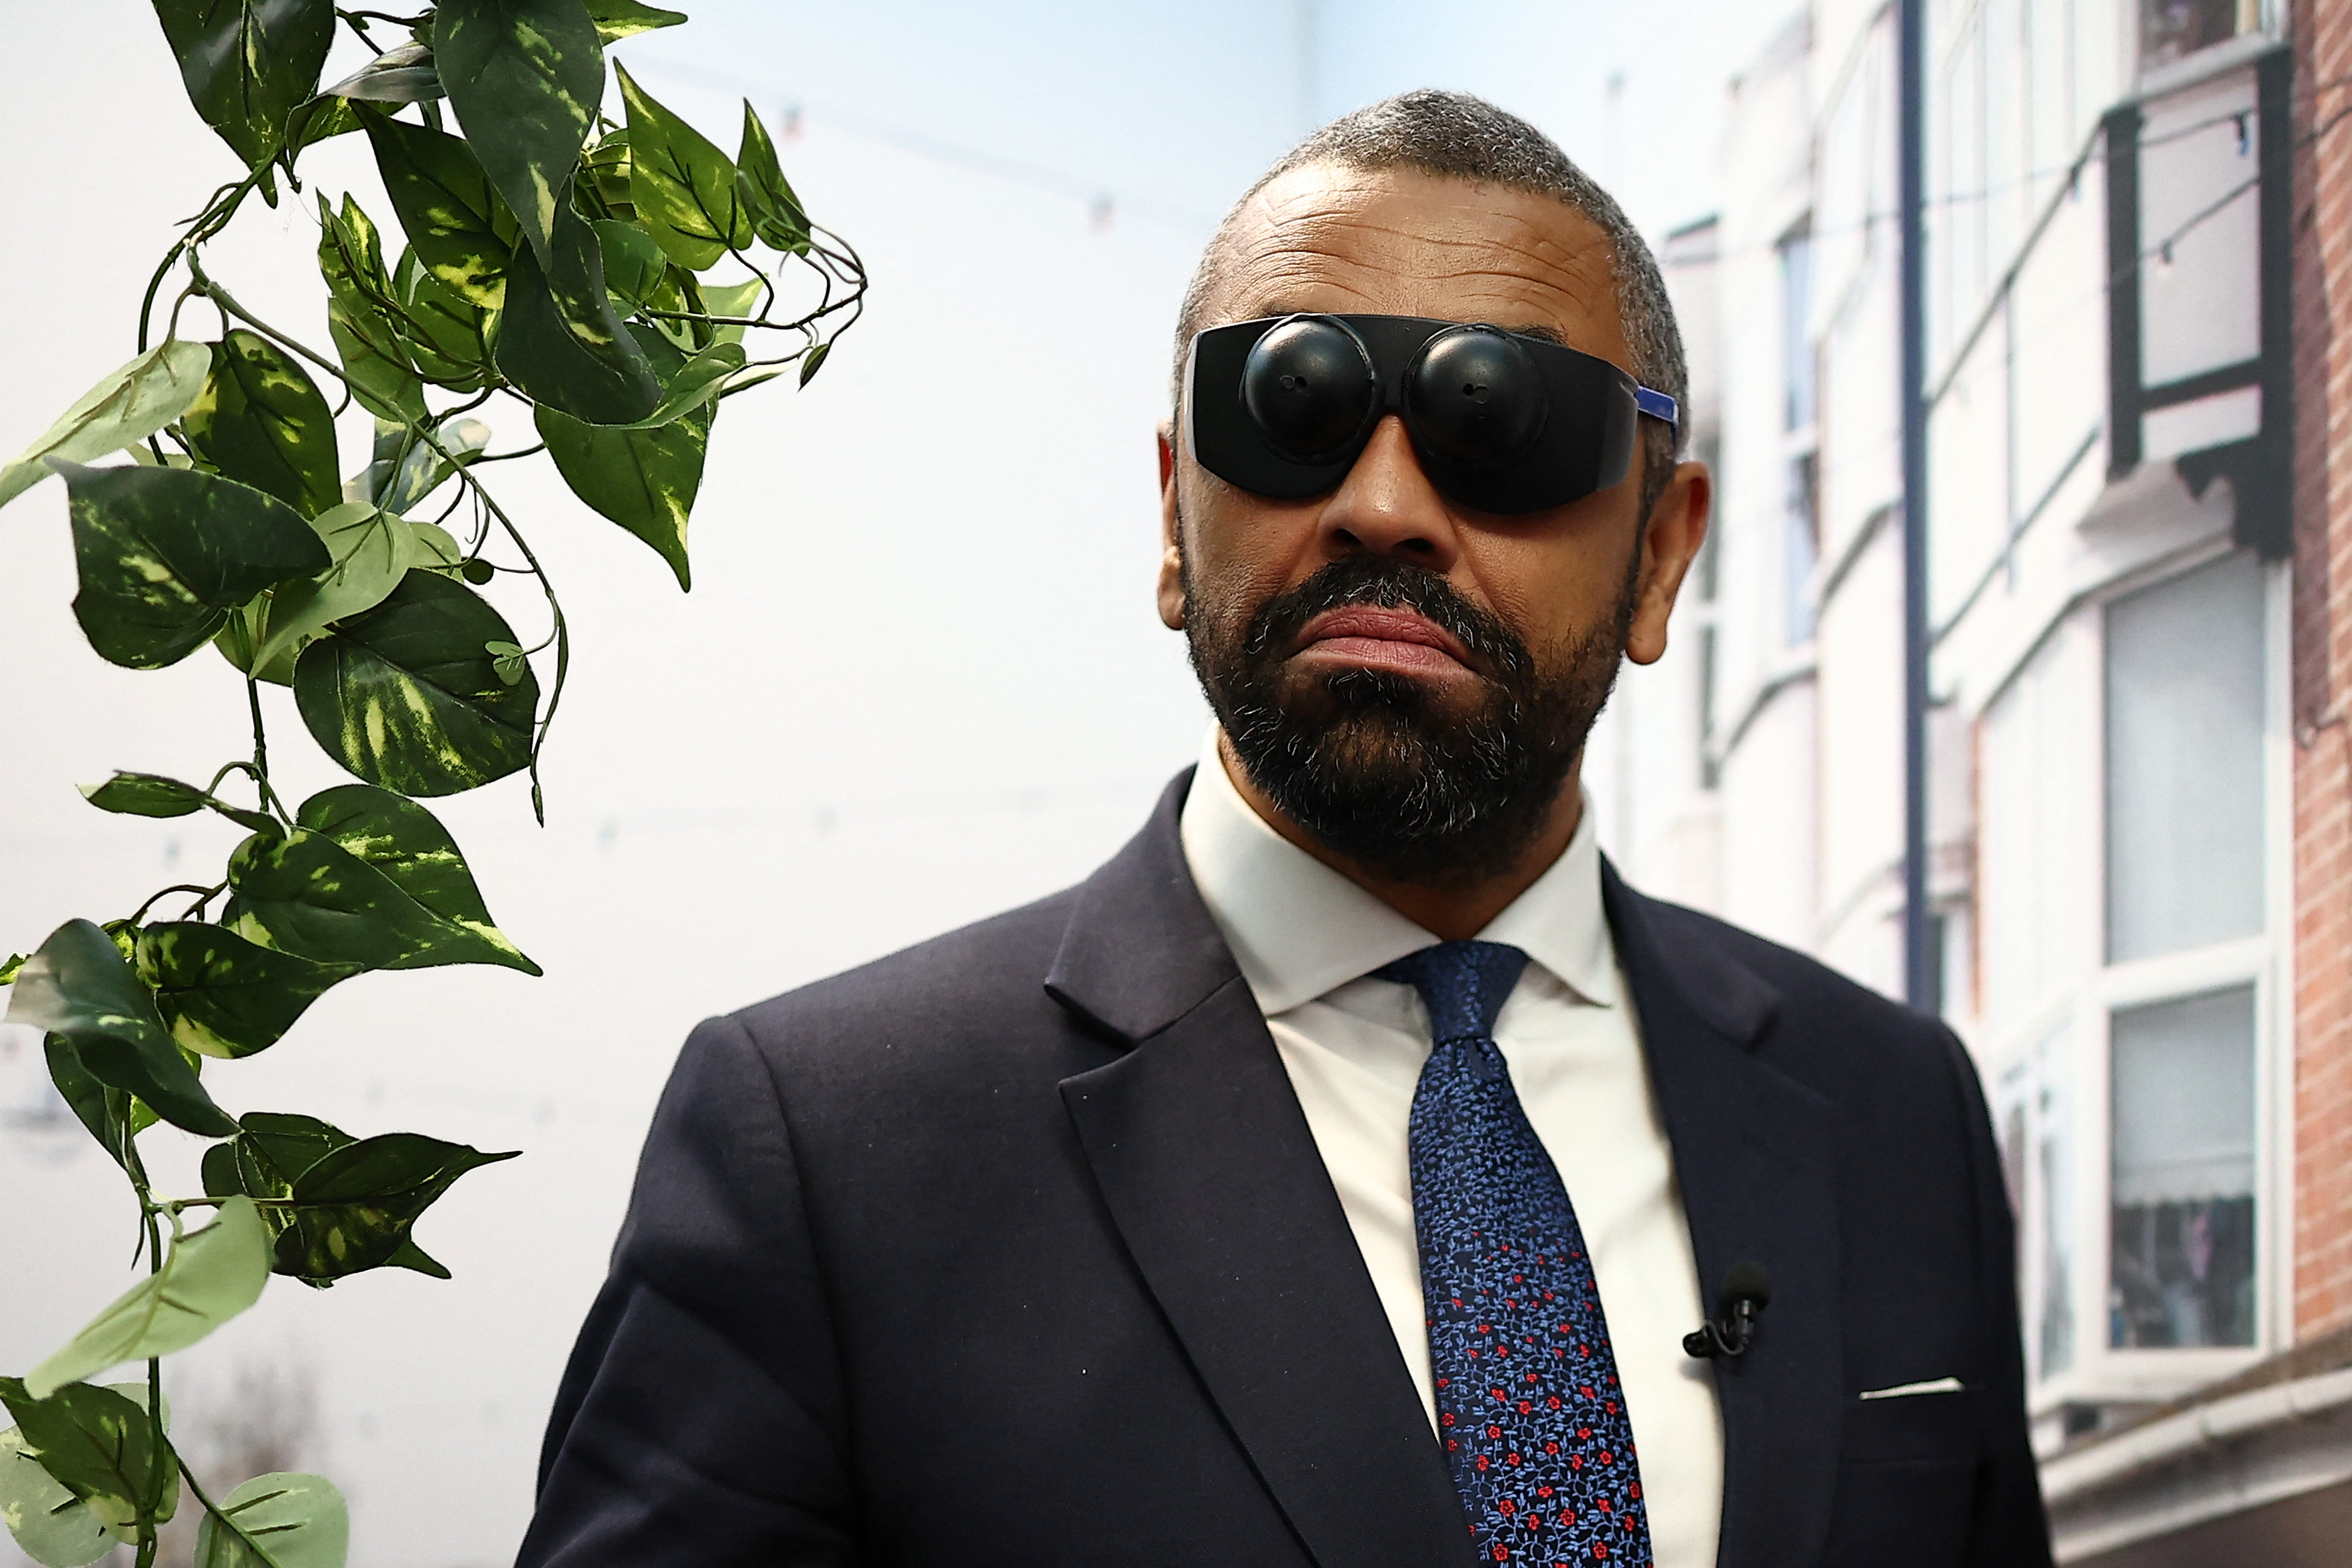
1172 548
1670 542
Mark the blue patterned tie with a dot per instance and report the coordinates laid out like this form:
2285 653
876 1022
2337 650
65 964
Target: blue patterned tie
1527 1400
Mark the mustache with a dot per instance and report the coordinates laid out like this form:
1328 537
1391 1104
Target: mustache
1381 583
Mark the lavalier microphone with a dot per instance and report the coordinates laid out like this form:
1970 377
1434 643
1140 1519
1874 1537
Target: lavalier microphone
1746 1292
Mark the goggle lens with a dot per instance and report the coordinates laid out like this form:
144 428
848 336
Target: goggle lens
1474 398
1309 388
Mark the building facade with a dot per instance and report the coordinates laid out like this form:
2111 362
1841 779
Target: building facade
2138 244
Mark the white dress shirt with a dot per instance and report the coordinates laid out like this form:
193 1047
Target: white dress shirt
1307 939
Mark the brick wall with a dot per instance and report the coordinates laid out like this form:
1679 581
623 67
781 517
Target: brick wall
2323 666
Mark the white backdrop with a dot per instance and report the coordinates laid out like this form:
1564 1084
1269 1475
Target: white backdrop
918 678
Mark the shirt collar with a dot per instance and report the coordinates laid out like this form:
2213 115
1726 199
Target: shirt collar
1298 929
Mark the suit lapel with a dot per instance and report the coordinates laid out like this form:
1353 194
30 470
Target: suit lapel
1754 1152
1208 1169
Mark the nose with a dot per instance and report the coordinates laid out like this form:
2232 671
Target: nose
1386 506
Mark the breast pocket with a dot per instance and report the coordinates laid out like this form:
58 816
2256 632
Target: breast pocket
1910 1427
1906 1475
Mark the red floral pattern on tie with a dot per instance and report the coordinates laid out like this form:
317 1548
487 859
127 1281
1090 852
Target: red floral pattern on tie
1532 1415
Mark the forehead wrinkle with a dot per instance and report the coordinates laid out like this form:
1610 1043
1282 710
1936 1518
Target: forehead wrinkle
1312 247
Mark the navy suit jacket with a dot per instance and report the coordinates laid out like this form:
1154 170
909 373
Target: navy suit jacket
1014 1249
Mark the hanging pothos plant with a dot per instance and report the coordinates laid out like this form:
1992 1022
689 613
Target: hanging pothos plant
603 276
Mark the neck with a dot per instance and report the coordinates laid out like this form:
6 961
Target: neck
1454 913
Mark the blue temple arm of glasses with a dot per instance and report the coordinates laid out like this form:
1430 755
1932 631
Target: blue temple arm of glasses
1657 406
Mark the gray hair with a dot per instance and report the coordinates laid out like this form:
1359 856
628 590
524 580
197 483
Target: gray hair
1456 136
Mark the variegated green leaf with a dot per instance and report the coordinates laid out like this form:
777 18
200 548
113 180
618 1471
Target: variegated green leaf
96 1447
405 697
152 795
79 985
695 385
208 1277
448 335
51 1525
373 551
460 229
127 408
525 78
248 63
405 75
301 1520
222 995
360 306
271 1148
145 794
318 120
408 844
261 421
685 189
633 264
351 1209
405 470
617 19
113 1116
370 553
777 216
303 893
561 343
164 554
813 361
643 480
606 166
731 299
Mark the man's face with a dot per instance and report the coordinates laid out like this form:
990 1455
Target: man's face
1410 680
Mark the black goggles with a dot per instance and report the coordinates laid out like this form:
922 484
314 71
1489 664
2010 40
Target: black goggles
1501 422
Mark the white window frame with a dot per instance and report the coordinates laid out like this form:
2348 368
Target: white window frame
2211 60
2085 1003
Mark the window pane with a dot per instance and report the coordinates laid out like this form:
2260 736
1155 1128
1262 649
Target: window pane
2172 30
1796 328
1801 518
2184 1173
2055 1153
2184 684
2036 797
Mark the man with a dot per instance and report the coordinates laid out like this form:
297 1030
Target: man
1334 1177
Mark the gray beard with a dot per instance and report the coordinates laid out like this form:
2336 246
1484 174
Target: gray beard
1375 768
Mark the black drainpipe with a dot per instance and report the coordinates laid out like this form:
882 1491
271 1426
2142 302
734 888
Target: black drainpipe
1919 961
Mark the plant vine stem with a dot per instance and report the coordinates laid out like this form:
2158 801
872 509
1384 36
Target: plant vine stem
222 298
269 801
209 894
201 227
153 1503
239 766
203 1499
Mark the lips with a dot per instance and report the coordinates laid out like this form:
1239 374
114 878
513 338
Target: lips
1389 638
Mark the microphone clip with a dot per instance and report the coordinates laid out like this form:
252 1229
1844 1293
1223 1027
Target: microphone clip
1746 1292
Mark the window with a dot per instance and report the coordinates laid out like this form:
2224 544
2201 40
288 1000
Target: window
1801 498
1796 250
2055 1159
2129 963
2173 30
2184 762
1802 550
2037 1158
2182 1233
